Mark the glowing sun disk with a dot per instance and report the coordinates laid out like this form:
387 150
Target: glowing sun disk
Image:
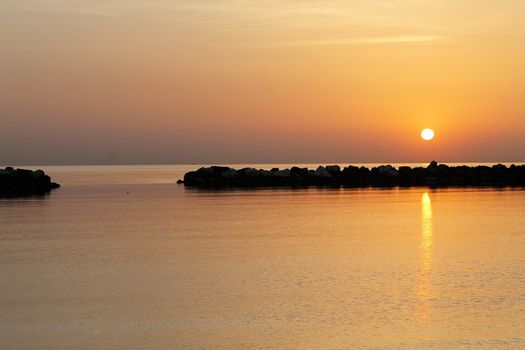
427 134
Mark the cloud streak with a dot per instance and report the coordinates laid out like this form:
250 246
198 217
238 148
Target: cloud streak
267 23
346 41
393 39
343 11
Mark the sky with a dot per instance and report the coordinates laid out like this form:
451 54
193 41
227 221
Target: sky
261 81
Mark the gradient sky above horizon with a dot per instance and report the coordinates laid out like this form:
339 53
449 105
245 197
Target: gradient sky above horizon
268 81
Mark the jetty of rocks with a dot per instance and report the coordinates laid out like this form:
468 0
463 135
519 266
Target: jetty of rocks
23 182
434 175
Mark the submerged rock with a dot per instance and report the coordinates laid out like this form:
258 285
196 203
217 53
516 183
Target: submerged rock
23 182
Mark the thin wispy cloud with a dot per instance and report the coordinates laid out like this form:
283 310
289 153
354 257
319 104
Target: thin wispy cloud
370 40
274 23
394 39
268 11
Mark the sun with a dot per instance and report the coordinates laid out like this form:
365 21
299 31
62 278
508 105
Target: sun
427 134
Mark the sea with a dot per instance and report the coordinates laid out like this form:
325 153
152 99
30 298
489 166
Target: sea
121 257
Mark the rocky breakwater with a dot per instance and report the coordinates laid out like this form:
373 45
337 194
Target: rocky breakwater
22 182
434 175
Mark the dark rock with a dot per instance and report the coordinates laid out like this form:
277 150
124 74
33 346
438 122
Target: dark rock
406 176
387 170
251 172
285 173
204 170
433 164
23 182
295 171
219 169
434 175
350 176
230 174
322 173
334 170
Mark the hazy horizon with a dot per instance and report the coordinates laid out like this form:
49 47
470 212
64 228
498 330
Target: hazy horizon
300 81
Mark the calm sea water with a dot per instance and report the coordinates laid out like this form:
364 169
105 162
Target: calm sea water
123 258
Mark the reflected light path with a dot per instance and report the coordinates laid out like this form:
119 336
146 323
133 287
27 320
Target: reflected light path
424 287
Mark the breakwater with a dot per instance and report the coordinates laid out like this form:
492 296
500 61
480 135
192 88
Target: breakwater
433 175
23 182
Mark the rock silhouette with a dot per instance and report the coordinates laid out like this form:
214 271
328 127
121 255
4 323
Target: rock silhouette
434 175
23 182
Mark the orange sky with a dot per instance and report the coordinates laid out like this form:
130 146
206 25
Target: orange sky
261 81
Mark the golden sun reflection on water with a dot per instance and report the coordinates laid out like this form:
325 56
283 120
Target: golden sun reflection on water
426 228
424 287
